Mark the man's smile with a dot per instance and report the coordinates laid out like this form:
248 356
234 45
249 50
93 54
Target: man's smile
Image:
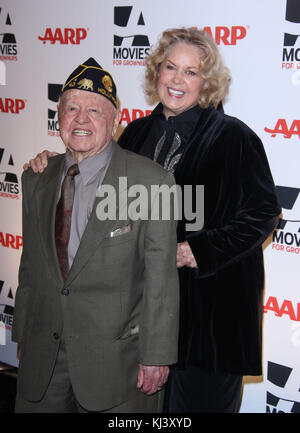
81 132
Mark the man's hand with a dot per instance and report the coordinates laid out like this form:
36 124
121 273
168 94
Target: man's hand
152 378
40 162
185 256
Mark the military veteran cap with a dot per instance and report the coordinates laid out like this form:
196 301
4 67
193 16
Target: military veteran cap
91 77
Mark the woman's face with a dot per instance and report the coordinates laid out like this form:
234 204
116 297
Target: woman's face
179 82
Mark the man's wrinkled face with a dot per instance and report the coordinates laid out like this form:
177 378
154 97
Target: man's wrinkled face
87 122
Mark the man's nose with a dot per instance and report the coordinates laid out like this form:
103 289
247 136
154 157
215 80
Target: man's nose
82 116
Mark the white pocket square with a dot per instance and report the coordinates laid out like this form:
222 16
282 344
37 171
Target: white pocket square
121 231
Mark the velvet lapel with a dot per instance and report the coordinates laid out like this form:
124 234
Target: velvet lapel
97 230
196 137
46 199
205 133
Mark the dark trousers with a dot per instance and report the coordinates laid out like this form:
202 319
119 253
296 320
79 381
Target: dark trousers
60 398
196 391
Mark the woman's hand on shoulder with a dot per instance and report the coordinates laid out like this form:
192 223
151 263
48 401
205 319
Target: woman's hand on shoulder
40 162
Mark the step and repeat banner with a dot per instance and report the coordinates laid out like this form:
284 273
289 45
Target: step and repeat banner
42 41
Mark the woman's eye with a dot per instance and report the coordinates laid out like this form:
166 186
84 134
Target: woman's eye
192 73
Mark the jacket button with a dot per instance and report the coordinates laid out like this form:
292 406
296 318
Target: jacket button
55 336
65 292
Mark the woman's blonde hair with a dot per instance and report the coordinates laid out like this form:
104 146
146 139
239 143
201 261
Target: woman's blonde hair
216 76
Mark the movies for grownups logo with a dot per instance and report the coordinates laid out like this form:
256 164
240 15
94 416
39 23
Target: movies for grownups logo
283 389
6 310
131 43
286 239
9 184
8 43
53 97
291 40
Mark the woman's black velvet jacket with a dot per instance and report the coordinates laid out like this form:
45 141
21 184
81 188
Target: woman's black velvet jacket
222 301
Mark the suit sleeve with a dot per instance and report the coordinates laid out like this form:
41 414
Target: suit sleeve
21 301
160 311
256 210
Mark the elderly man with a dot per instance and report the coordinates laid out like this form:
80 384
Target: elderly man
96 312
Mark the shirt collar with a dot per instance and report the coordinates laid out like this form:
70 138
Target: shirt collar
90 166
186 115
184 122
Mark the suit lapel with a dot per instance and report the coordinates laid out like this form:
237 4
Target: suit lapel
46 200
97 230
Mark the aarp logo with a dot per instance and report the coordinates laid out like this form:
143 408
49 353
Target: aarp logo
66 36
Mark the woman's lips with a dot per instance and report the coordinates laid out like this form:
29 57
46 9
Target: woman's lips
175 92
